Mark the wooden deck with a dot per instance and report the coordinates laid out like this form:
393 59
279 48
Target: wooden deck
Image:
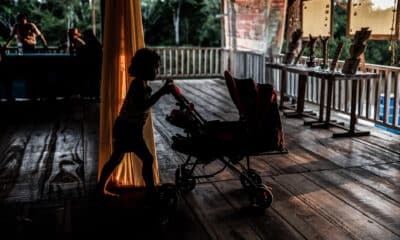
324 188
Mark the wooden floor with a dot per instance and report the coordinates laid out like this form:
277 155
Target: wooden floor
324 188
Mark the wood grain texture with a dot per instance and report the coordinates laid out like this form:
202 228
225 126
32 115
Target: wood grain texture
324 187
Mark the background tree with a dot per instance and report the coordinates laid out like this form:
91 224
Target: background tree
181 22
52 17
166 23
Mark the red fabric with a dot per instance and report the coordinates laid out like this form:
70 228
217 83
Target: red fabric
233 91
177 90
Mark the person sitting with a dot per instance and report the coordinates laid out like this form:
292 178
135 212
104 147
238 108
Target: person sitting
26 34
128 126
90 60
75 41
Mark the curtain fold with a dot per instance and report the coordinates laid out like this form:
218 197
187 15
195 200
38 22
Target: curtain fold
123 35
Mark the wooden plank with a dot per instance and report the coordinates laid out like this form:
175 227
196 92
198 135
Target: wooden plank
184 218
90 143
262 164
301 216
64 161
338 151
296 160
47 148
207 107
381 210
12 164
268 224
215 90
131 218
390 172
219 218
335 210
348 188
385 141
282 164
28 143
368 176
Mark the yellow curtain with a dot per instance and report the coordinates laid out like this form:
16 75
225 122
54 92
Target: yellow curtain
123 35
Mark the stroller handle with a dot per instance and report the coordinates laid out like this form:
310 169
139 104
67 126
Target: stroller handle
184 103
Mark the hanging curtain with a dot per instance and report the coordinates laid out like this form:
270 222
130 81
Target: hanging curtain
123 35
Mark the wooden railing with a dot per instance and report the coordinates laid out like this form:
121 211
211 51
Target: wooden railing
189 62
378 99
244 64
50 49
185 62
199 62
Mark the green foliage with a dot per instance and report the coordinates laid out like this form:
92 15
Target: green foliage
53 18
198 25
210 35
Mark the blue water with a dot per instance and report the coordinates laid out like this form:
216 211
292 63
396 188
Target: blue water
391 110
389 117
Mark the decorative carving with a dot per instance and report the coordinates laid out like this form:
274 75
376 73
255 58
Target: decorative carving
300 53
324 41
356 49
311 45
336 57
293 45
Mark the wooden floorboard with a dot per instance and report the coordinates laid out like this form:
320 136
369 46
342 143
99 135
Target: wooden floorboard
324 187
337 211
302 217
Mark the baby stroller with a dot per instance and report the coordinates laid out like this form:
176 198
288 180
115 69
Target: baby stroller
228 141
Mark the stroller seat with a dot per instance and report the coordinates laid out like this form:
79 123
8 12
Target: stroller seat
254 133
258 109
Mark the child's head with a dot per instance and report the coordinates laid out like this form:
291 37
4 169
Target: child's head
22 18
145 64
73 33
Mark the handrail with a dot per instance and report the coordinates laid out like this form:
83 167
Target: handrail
200 62
378 99
50 49
189 62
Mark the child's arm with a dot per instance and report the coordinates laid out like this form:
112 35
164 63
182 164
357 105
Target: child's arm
157 95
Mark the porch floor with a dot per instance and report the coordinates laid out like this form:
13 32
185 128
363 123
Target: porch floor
324 187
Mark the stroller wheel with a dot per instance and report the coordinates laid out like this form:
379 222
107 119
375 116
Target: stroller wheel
250 178
262 197
184 179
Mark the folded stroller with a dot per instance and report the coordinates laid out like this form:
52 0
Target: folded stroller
254 133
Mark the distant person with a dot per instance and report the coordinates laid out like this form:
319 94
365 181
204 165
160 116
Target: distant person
92 46
27 33
75 41
128 127
90 57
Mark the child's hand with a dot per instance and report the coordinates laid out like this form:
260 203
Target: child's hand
169 81
168 85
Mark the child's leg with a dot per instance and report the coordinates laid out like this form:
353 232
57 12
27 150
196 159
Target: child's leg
147 171
108 168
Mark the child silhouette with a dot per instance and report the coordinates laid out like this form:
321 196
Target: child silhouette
128 127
